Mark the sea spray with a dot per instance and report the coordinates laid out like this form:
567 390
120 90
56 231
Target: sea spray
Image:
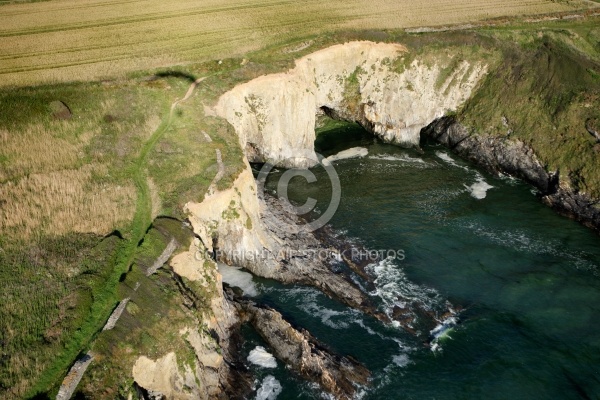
234 276
270 389
395 289
261 357
479 188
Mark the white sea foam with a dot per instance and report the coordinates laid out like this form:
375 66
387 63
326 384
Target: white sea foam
261 357
519 240
370 331
511 180
449 160
270 389
479 189
391 283
234 276
434 202
331 318
525 241
441 332
354 152
403 158
309 300
401 360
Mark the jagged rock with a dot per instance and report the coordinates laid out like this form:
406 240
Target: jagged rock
497 154
275 245
265 246
304 258
575 205
217 373
161 378
508 156
298 349
591 124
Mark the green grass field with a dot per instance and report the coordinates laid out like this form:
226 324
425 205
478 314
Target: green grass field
63 265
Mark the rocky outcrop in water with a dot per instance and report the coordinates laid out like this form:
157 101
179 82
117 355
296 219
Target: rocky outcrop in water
391 92
575 205
513 157
298 349
497 154
243 226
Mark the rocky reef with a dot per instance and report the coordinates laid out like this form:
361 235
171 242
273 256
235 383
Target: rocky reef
339 376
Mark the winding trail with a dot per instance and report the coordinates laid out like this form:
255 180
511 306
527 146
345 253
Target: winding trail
141 220
188 94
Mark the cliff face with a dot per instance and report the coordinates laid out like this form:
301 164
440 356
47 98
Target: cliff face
388 91
207 374
497 154
392 93
243 227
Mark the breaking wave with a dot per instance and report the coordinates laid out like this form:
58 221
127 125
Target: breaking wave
479 189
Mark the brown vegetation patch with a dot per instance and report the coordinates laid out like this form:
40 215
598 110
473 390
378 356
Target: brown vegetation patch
64 201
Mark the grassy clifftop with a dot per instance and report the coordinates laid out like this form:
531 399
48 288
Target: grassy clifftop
544 92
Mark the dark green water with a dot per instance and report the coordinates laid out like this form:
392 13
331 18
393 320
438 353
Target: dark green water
527 280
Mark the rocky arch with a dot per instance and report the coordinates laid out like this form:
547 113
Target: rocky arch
389 91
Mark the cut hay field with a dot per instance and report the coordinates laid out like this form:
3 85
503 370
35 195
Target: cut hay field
66 40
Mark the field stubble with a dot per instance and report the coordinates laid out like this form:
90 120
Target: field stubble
54 41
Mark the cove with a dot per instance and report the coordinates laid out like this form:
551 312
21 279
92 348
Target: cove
524 278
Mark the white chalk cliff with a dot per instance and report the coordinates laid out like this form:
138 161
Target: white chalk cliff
274 116
203 376
387 90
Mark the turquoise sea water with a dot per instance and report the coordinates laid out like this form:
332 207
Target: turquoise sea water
526 279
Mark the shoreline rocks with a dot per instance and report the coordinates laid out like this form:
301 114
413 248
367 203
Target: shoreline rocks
303 353
513 157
